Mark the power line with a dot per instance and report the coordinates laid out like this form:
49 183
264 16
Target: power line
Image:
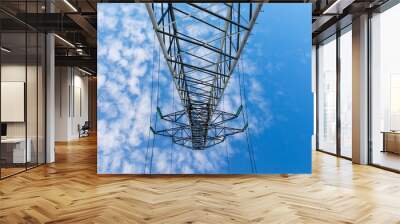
157 103
151 102
242 91
226 142
248 135
172 125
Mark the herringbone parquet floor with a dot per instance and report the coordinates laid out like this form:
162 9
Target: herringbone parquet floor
70 191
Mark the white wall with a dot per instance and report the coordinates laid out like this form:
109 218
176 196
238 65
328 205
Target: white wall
61 103
12 73
71 94
80 104
17 73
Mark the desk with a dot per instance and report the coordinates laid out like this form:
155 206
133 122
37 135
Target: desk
16 147
391 141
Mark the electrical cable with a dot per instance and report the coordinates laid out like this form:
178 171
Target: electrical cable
151 102
157 103
244 118
226 141
172 139
247 118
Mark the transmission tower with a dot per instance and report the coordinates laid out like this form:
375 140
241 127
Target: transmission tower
201 44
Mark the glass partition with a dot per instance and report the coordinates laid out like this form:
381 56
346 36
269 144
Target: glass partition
22 88
346 92
327 95
14 153
385 89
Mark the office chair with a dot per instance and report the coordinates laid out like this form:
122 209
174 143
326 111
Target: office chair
84 130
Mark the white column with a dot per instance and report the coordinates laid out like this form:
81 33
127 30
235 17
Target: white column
50 99
50 92
360 90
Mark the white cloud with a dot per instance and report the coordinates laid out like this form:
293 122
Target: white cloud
124 92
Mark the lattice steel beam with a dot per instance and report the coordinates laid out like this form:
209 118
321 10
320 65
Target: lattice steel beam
201 44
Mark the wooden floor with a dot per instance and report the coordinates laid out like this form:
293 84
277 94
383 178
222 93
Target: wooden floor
387 159
5 172
70 191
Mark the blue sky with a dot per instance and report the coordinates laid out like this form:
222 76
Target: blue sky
276 64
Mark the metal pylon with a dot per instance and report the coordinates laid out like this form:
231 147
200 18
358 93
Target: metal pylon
201 44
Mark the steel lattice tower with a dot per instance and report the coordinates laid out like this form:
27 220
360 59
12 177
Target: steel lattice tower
201 44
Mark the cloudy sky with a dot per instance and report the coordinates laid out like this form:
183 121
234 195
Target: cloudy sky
276 70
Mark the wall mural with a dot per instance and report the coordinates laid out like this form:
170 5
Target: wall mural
210 88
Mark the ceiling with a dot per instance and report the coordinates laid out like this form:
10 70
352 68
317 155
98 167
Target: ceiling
75 23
